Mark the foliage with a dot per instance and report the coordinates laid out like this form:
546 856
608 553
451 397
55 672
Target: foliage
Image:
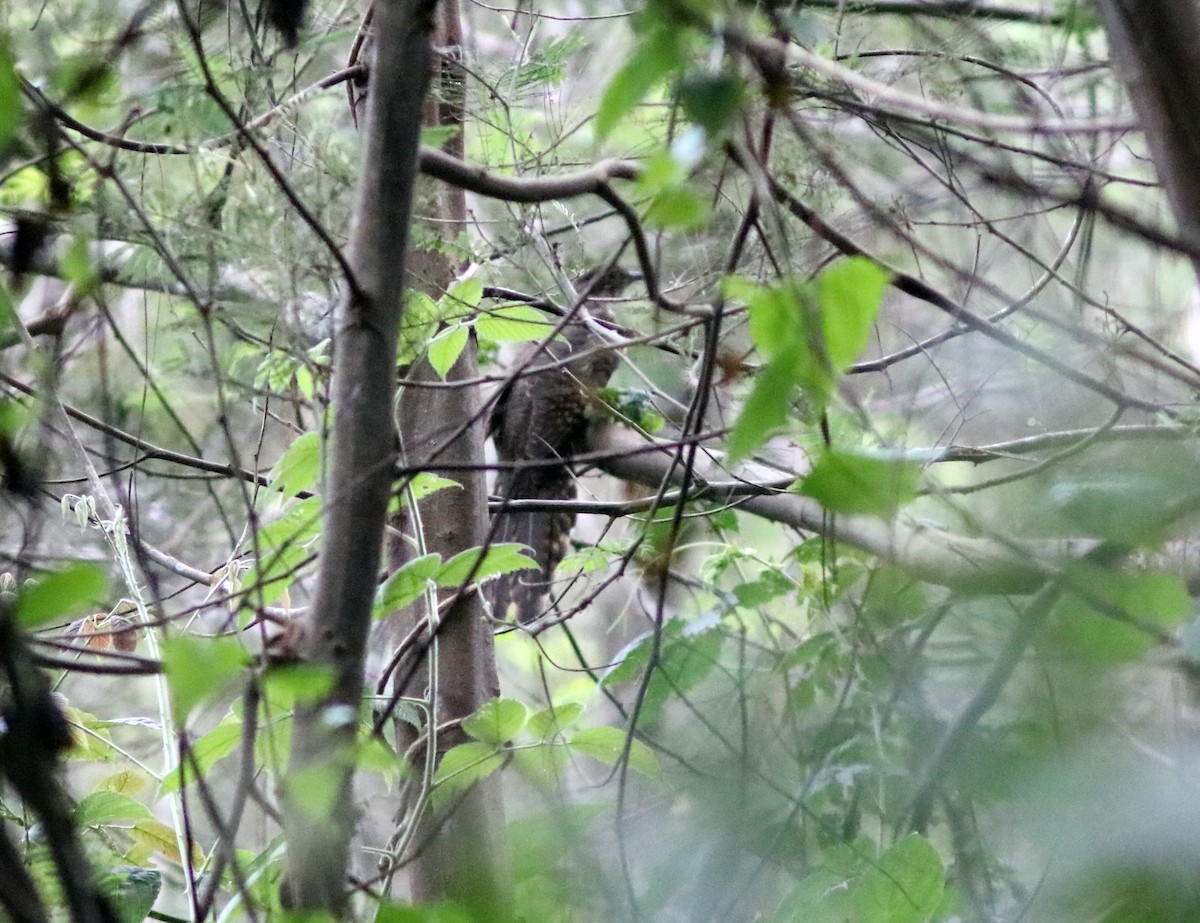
896 625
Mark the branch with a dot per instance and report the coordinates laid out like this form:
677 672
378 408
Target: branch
974 565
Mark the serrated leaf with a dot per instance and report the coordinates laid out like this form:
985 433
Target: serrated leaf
514 323
860 482
406 585
61 595
465 294
656 57
446 347
299 467
207 751
607 744
502 558
496 722
851 294
585 561
109 809
199 669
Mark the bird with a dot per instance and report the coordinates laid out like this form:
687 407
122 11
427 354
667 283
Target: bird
539 424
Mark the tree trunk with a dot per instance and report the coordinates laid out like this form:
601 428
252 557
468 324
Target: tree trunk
459 854
1155 47
318 809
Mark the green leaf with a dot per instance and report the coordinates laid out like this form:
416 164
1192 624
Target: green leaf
905 886
406 585
426 483
299 467
851 294
513 323
461 767
767 410
712 101
843 481
199 669
446 347
109 809
496 722
10 98
550 721
502 558
77 267
658 55
607 744
61 595
132 891
423 913
285 684
678 207
465 294
207 751
1088 626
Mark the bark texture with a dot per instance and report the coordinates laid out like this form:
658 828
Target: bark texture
319 814
1155 47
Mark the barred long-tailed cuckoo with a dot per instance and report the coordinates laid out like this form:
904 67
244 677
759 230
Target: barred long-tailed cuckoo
539 424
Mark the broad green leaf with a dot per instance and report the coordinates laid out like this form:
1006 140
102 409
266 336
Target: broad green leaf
549 721
109 809
132 891
655 58
406 585
585 561
461 767
125 781
905 886
850 294
423 913
1130 508
266 581
446 347
712 101
767 410
607 744
77 267
156 836
199 669
860 482
207 751
678 207
496 722
513 323
285 684
426 483
299 467
10 98
502 558
776 315
1095 624
61 595
465 294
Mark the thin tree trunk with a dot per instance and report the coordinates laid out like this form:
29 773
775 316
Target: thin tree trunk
460 853
319 814
1155 47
